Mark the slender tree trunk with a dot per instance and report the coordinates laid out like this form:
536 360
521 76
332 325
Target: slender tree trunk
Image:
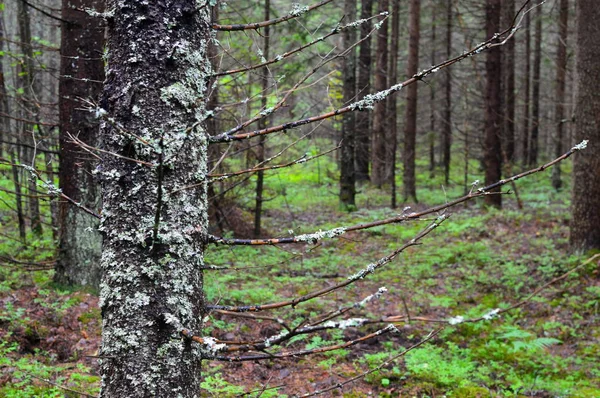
363 141
447 119
493 99
392 131
585 224
526 91
561 73
154 231
509 85
6 127
378 153
262 123
410 121
27 83
347 173
535 107
82 71
432 90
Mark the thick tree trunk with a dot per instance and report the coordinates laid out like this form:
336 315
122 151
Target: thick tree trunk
526 91
447 119
392 130
347 174
585 225
262 123
378 153
363 142
493 100
82 71
154 227
535 95
561 73
410 121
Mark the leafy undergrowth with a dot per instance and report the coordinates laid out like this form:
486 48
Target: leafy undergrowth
477 261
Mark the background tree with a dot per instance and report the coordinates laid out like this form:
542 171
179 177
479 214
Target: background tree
410 124
447 119
262 123
363 141
561 74
585 225
532 156
378 144
347 166
82 75
493 98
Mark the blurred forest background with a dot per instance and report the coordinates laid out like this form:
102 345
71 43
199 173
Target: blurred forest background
421 147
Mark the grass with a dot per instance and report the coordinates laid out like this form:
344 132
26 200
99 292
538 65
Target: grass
478 260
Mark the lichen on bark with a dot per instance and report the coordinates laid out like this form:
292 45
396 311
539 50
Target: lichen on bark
155 90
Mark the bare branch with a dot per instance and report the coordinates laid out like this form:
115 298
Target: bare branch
296 11
315 237
369 100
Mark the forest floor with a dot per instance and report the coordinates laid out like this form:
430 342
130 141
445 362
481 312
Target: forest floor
477 261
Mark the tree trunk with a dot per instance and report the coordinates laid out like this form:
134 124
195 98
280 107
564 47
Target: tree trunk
526 91
535 95
493 100
363 141
392 130
447 122
380 113
410 122
347 174
262 123
28 111
6 127
432 90
154 228
509 86
82 72
561 73
585 225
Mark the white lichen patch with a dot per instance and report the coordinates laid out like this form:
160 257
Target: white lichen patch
347 323
369 101
456 320
298 9
380 292
581 145
317 236
492 314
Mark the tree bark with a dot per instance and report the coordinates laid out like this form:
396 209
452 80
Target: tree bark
526 91
28 111
81 71
363 141
262 123
392 130
585 224
535 95
561 73
410 121
432 90
6 127
378 153
447 120
347 174
509 85
154 228
493 100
